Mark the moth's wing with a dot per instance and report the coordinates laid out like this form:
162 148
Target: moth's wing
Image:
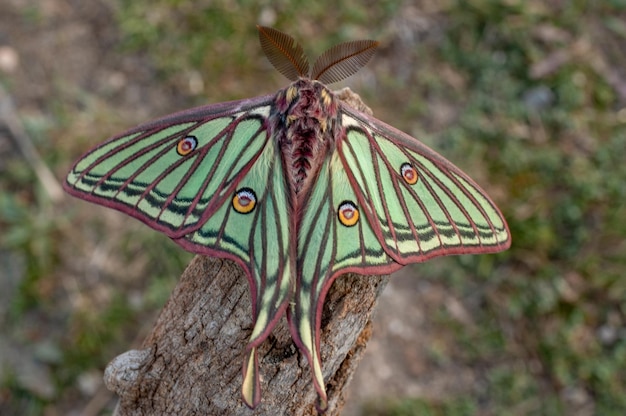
326 249
141 173
261 241
442 212
435 210
191 197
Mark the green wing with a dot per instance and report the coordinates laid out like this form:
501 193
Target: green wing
420 205
259 239
326 249
207 178
144 174
382 200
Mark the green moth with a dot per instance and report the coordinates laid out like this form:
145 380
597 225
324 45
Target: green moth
298 188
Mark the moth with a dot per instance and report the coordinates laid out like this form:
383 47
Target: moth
298 188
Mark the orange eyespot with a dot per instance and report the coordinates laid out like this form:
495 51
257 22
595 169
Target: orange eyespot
186 145
244 201
348 213
409 174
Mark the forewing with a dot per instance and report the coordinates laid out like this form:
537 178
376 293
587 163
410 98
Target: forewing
419 204
144 174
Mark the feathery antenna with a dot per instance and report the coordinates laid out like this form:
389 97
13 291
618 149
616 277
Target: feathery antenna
337 63
284 53
343 60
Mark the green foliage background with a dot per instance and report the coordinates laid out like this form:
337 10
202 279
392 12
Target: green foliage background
529 97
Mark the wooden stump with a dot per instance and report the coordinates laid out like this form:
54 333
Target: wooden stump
191 362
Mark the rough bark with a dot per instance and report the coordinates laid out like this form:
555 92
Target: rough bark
191 362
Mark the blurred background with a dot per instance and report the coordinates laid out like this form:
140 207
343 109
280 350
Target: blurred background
527 96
